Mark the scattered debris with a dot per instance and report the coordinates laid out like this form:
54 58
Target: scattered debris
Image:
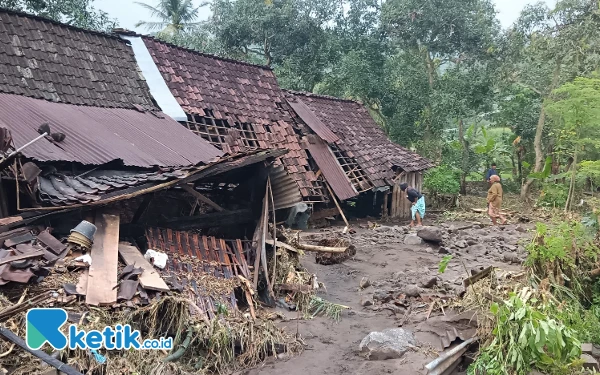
156 258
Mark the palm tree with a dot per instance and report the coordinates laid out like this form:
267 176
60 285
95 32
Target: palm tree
174 15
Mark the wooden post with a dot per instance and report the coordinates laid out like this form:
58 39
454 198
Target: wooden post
274 231
338 206
384 208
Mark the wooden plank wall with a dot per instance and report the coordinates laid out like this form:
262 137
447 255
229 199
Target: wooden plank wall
399 205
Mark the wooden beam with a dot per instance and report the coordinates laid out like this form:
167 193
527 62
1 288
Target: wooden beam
478 276
201 197
102 277
337 205
150 278
322 249
283 245
142 208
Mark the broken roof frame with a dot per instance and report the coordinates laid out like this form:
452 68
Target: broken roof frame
236 106
355 144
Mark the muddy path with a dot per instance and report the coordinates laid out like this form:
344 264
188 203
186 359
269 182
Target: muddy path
400 270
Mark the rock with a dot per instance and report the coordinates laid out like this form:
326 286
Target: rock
366 301
510 248
389 344
511 258
364 283
383 229
428 282
429 250
471 242
589 362
443 250
398 275
520 229
430 234
587 348
412 291
461 244
382 295
412 239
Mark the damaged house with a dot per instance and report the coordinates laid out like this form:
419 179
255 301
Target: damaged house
96 142
236 106
356 156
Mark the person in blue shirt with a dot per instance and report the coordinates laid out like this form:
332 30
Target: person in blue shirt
492 172
417 201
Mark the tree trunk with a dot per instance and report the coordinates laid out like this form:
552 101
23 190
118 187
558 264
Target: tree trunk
572 184
465 157
539 154
539 131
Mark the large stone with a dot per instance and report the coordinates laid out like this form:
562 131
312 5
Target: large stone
430 234
412 291
428 282
412 239
389 344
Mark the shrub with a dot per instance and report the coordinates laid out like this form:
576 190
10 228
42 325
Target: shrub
442 180
553 195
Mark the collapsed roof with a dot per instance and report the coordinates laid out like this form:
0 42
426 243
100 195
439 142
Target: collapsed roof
234 105
354 137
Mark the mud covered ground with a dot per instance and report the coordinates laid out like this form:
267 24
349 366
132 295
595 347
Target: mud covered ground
401 275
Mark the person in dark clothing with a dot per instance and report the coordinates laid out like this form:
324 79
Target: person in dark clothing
492 172
418 203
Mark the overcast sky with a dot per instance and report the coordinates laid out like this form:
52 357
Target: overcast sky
129 13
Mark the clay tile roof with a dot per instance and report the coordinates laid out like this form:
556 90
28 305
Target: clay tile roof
361 136
86 85
48 60
232 90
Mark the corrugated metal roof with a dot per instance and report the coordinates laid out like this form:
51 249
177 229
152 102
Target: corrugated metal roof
312 120
285 190
330 168
100 135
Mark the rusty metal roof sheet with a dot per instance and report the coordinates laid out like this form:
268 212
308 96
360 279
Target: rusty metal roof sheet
313 121
361 137
100 135
48 60
331 169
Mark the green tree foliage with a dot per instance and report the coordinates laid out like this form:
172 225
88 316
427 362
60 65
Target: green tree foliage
78 13
441 180
174 16
576 105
